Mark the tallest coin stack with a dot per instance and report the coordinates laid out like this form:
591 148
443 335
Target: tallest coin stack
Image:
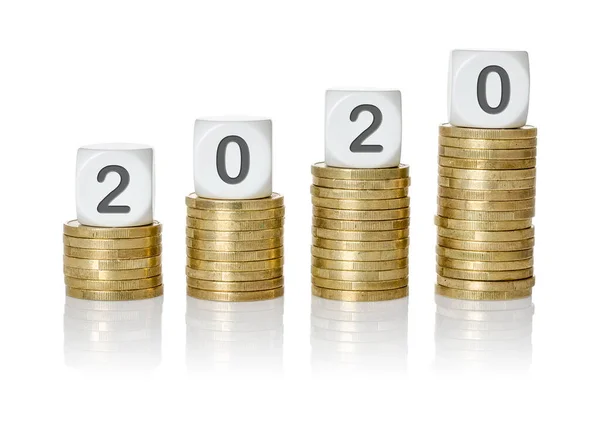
486 202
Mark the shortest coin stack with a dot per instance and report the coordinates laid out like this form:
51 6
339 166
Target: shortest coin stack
360 233
112 264
235 248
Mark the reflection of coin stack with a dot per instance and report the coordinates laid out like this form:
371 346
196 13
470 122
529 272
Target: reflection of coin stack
483 334
235 248
360 233
234 336
112 334
112 264
350 335
486 201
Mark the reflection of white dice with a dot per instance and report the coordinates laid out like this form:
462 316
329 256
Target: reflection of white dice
232 158
115 185
488 89
363 128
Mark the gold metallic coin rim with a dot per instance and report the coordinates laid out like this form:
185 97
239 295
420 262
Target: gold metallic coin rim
339 235
489 195
209 255
354 255
462 294
237 216
354 184
250 286
361 245
234 246
111 296
353 215
100 254
490 144
482 225
486 246
234 226
114 264
524 132
207 235
333 264
357 225
359 276
274 201
475 164
75 229
321 170
246 296
112 244
203 265
339 193
112 275
477 185
487 175
494 236
113 285
486 276
234 276
467 265
461 214
476 255
361 204
359 296
486 205
351 285
475 285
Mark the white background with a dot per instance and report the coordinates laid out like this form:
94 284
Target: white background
77 73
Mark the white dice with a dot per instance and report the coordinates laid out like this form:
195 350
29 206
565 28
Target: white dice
232 158
115 185
363 128
488 89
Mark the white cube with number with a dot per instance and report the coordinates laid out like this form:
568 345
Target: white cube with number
115 185
232 158
363 128
488 89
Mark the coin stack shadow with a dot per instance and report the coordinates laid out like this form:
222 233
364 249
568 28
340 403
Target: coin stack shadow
360 233
486 202
112 264
235 248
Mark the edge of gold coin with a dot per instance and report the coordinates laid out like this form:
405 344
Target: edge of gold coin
352 204
489 276
353 184
364 296
218 215
486 246
360 235
232 226
337 193
525 132
458 264
360 245
139 294
349 285
466 163
481 225
489 195
234 296
114 264
482 295
473 285
474 184
273 201
469 255
354 225
360 276
487 175
113 285
321 170
359 255
457 142
336 214
75 229
234 246
235 266
487 154
495 236
257 255
108 275
217 286
234 276
112 254
332 264
461 214
486 205
264 234
112 244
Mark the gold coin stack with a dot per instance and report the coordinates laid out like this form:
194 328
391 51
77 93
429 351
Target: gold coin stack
112 264
360 233
486 202
235 248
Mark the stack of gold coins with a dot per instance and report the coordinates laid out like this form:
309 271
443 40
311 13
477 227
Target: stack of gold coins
486 202
360 233
112 264
235 248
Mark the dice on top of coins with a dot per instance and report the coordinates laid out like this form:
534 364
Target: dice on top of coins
232 157
115 185
488 89
363 128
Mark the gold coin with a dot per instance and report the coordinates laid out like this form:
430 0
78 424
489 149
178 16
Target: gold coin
486 246
321 170
83 273
336 214
482 295
455 142
464 163
470 184
115 264
360 245
518 235
360 235
360 276
485 275
234 246
353 184
487 175
120 243
336 193
348 204
75 229
274 201
255 285
331 264
334 294
234 296
461 214
484 266
250 225
490 226
466 255
526 132
113 285
198 264
74 252
490 195
259 255
99 295
368 256
340 225
348 285
484 154
266 214
265 234
234 276
472 285
486 205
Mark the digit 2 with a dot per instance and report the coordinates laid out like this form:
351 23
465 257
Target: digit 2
357 144
105 207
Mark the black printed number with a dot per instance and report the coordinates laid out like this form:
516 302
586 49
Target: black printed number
358 144
244 163
105 206
482 89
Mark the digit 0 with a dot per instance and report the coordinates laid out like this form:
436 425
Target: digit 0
357 144
105 207
482 89
222 164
